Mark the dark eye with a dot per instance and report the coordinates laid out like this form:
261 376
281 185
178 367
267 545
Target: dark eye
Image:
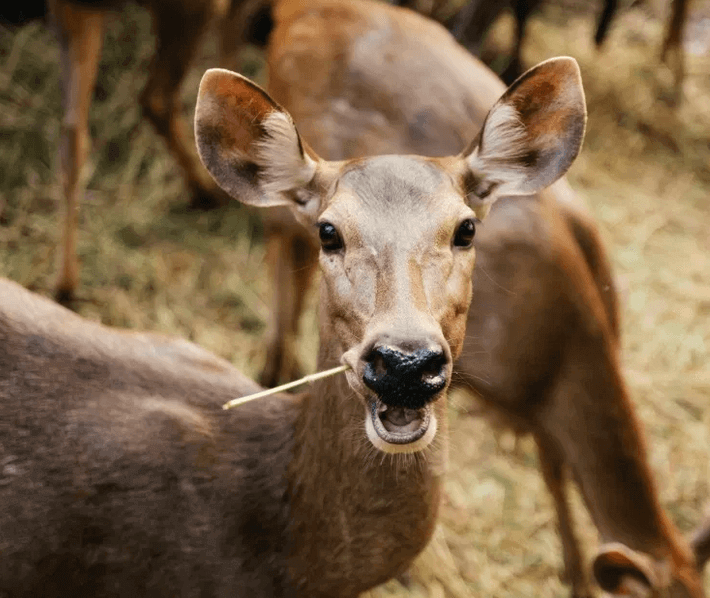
329 238
465 233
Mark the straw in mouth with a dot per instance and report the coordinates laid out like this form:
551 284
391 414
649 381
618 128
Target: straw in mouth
296 383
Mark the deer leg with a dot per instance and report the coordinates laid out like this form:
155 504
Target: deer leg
178 36
672 50
472 22
80 34
700 543
552 467
292 258
522 10
590 416
246 22
605 21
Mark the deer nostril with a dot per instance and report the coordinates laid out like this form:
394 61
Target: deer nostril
378 365
405 379
433 366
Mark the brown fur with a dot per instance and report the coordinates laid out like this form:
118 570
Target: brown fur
542 341
122 475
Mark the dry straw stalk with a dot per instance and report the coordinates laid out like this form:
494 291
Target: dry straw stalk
271 391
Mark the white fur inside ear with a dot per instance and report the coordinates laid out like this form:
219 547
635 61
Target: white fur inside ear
504 136
504 143
284 166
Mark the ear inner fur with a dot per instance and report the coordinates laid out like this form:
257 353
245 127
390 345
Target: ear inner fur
248 142
534 132
282 170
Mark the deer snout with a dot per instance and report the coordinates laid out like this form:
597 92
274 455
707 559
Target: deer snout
405 379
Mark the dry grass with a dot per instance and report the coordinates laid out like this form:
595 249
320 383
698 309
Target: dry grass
150 264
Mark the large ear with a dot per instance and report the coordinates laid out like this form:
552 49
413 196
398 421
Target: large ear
250 145
531 136
622 571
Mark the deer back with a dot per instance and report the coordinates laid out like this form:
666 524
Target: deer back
121 472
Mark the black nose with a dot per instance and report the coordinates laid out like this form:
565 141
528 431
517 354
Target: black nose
408 380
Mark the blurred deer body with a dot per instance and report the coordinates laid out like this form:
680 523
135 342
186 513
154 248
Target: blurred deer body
542 340
671 49
470 24
179 28
473 21
123 476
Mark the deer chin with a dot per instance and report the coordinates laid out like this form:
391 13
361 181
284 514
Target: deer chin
398 429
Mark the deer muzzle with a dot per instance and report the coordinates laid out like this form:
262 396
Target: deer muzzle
408 380
405 384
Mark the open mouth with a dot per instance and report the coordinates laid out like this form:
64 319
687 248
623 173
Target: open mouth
399 429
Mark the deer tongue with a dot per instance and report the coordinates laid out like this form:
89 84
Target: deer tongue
401 419
399 425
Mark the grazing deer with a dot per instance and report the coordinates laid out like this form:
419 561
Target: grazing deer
179 27
543 334
471 23
123 476
672 47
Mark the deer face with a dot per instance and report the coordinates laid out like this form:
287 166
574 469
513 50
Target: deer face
396 232
396 256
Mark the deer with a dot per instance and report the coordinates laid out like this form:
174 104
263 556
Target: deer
470 24
672 45
179 28
543 333
122 474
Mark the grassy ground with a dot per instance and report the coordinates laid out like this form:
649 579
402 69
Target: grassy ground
148 263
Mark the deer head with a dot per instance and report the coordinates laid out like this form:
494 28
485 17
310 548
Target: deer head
622 571
396 232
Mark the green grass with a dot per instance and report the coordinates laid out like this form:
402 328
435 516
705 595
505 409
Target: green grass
149 263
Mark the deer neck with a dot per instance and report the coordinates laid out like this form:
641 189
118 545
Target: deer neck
361 513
